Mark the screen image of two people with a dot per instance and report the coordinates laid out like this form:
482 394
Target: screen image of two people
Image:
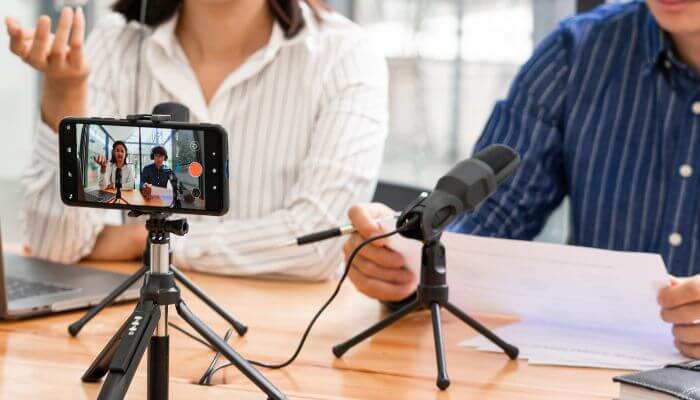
127 159
116 171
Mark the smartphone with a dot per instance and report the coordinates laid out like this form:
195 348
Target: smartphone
144 165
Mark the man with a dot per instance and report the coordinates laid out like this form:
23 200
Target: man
156 173
607 111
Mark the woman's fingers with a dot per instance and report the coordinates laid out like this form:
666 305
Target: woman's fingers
59 48
20 39
77 39
42 43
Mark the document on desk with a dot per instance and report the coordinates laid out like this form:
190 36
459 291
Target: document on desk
577 306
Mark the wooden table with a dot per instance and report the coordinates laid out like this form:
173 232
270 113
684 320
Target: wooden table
38 359
134 197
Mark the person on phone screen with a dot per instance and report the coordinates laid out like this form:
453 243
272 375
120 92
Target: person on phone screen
156 173
108 171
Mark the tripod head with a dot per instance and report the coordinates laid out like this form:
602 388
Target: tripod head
159 224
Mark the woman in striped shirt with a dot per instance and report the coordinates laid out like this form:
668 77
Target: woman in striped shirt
300 90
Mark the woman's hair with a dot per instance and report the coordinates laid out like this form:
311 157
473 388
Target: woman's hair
286 12
116 143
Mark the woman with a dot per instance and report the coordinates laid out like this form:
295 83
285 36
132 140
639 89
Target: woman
300 90
118 161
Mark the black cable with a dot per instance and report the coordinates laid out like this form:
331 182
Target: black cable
318 314
191 336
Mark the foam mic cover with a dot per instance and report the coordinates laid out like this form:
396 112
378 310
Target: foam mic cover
177 111
460 190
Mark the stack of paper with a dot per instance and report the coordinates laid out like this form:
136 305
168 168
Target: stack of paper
578 306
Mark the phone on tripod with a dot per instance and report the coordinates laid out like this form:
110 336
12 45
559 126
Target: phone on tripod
145 164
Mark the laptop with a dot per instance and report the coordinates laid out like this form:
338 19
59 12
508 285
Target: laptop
32 287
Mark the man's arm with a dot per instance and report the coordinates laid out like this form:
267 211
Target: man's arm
530 120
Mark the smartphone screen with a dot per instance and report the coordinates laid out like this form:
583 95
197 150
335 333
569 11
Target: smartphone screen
127 165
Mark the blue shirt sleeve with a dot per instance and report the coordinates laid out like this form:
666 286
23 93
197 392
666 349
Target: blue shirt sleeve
145 176
530 120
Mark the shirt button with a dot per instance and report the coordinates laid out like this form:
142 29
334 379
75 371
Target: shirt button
686 171
667 64
696 108
675 239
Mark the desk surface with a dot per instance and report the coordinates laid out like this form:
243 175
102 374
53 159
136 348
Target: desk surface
38 359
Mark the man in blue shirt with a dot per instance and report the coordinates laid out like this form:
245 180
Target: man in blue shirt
607 111
156 173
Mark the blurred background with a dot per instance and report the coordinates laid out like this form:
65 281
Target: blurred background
449 61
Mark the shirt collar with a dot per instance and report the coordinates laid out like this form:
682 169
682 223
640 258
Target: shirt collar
657 43
164 34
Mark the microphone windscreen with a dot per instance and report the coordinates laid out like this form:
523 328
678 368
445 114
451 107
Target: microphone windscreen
501 159
177 111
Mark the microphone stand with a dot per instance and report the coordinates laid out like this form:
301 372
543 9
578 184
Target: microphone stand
433 294
118 185
148 327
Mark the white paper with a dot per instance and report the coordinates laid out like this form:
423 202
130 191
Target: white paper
578 306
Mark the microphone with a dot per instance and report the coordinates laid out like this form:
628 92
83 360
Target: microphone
178 112
118 179
461 190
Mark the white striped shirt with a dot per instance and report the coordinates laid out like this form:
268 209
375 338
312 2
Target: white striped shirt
306 119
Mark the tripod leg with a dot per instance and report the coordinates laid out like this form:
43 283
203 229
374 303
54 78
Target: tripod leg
78 325
158 360
239 327
443 381
130 350
100 366
509 349
227 351
340 349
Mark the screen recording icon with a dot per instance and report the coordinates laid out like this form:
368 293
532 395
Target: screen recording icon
195 169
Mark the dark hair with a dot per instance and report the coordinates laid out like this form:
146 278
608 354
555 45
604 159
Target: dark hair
116 143
286 12
160 150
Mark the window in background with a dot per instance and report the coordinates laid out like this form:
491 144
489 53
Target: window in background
449 62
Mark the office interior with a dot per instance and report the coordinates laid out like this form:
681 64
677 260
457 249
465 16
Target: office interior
444 80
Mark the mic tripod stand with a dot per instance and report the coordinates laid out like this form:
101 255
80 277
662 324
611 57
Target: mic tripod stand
78 325
148 327
118 199
432 294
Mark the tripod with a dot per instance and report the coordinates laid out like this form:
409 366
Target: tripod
78 325
118 199
148 327
432 293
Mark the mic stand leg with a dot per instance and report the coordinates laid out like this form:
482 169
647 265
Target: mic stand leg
340 349
443 381
433 294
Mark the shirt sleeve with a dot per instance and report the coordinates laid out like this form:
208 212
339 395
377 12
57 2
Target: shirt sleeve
531 121
339 170
52 230
104 178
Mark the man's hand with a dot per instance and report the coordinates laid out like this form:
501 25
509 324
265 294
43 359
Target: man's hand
376 271
680 305
146 191
59 57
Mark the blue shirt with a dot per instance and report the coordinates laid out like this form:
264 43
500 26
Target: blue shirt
605 113
154 176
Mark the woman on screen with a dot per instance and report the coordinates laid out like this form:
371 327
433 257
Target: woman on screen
301 91
118 161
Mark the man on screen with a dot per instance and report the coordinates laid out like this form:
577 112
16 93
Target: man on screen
155 173
606 112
